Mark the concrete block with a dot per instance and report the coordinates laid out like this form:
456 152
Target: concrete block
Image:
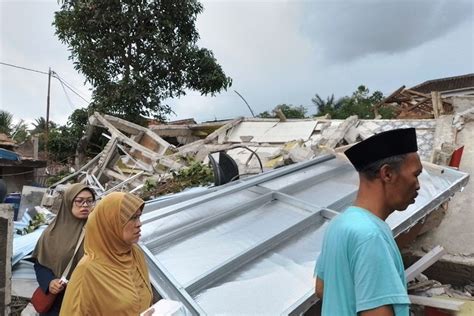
6 248
52 201
441 158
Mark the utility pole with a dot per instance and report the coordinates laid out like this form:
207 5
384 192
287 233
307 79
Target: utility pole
47 115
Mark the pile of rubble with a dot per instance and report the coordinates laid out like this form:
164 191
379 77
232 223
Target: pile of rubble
409 103
134 153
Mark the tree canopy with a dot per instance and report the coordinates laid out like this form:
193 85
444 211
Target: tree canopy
360 103
136 54
290 111
18 132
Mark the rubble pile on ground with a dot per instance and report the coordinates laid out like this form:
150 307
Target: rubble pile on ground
136 156
409 103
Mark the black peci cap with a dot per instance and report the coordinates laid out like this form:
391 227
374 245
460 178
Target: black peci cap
383 145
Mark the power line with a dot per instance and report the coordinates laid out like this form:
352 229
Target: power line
55 75
64 83
24 68
67 96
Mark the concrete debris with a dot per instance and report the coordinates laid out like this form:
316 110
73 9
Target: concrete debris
30 197
135 153
463 117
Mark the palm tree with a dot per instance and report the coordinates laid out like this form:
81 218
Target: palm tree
6 122
326 106
20 132
40 125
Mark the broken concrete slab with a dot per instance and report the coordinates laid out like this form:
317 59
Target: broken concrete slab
272 131
30 197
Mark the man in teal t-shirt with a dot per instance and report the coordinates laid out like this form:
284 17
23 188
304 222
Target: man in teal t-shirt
360 270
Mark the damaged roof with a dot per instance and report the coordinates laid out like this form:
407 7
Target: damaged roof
446 84
250 247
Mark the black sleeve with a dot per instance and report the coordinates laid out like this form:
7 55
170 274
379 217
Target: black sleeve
44 275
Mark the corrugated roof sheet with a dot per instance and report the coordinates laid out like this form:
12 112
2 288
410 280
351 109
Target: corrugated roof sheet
250 247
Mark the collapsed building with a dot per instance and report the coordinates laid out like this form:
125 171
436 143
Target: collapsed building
253 241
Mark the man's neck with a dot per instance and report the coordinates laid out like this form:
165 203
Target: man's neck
371 207
371 197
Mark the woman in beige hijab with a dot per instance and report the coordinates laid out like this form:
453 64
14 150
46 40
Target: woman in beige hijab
112 277
56 245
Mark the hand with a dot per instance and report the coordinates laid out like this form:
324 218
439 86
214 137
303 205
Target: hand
56 286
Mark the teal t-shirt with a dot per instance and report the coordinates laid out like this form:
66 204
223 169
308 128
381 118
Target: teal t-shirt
361 266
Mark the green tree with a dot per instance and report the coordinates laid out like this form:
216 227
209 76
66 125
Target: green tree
18 132
290 111
328 106
61 143
6 122
360 103
40 126
136 54
266 114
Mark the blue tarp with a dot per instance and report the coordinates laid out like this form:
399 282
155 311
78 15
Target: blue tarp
9 155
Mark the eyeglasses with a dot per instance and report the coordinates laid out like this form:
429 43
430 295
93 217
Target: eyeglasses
86 202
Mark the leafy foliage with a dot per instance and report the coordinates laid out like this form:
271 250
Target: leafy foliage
33 224
63 139
136 54
290 111
62 143
326 106
6 122
196 174
18 132
361 103
40 125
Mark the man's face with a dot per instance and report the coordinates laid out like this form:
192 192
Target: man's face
405 186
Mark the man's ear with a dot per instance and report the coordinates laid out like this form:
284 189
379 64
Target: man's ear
386 173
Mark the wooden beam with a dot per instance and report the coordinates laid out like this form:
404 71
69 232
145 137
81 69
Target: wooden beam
127 180
86 166
436 302
424 263
425 95
133 128
417 104
394 93
440 103
434 101
124 139
109 151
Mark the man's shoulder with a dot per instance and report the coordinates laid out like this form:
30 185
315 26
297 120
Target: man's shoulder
355 223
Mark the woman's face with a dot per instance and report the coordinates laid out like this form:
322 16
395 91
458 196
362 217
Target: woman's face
131 230
82 204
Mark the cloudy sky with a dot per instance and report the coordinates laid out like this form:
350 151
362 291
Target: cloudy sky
275 51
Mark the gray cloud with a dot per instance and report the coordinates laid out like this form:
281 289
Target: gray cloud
347 30
275 51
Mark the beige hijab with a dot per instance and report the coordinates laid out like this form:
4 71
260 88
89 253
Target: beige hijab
112 277
56 245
